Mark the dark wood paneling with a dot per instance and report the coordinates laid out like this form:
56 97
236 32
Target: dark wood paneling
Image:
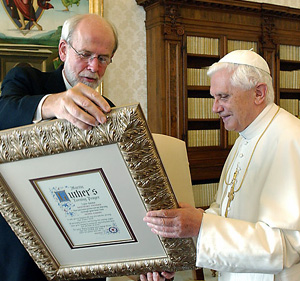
168 23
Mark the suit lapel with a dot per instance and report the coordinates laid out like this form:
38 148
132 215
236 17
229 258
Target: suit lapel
55 82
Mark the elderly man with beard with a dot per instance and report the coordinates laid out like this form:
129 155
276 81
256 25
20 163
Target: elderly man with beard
87 45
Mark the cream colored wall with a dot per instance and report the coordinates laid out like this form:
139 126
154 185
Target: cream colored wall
125 80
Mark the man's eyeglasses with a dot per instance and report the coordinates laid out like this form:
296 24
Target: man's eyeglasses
88 57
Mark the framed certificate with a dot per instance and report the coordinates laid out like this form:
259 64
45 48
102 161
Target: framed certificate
76 199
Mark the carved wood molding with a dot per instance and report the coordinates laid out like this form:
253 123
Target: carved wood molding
246 6
268 30
171 25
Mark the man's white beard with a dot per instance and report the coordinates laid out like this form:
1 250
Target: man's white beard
92 85
71 77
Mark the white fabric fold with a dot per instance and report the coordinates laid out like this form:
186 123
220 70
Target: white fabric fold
261 233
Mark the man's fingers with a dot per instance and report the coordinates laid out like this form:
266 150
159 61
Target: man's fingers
160 227
81 105
86 110
162 222
95 97
173 223
168 275
156 276
78 123
166 234
166 229
152 276
170 213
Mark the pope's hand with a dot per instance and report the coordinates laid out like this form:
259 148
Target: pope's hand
155 276
81 105
175 223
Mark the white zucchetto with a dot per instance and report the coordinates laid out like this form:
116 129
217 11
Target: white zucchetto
246 57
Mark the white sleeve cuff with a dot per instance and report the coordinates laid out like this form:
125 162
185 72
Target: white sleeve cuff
38 113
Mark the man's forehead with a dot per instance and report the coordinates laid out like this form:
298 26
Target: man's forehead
89 40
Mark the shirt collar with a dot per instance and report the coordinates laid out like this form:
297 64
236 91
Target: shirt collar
67 84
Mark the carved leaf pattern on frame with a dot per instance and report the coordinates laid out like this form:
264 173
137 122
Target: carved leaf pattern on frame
125 126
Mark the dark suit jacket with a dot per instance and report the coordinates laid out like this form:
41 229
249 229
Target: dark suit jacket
22 90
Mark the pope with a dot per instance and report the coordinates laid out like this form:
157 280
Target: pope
251 231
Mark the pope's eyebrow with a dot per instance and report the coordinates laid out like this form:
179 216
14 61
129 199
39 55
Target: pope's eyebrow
220 94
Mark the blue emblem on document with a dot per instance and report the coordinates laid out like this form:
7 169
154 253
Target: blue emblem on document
113 229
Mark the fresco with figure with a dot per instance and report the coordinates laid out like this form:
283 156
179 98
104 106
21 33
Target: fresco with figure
36 22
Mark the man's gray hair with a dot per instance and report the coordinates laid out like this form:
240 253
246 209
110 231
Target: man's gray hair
245 77
70 26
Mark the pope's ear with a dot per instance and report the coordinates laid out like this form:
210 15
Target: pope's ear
260 93
62 50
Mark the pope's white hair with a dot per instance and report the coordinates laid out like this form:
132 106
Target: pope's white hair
245 77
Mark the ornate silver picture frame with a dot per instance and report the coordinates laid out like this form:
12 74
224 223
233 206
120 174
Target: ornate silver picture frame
76 199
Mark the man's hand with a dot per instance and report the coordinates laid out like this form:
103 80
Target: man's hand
155 276
83 106
175 223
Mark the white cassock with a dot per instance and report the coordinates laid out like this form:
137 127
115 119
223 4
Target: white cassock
260 239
